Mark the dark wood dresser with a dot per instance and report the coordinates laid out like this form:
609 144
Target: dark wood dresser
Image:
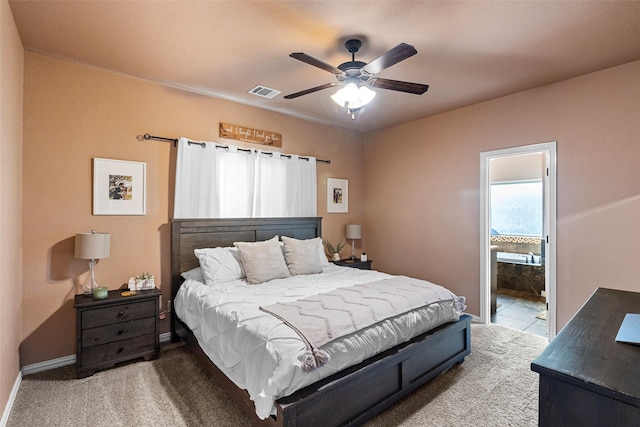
115 329
586 377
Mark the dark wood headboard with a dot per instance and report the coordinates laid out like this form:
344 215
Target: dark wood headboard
190 234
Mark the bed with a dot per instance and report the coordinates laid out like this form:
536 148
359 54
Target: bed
369 386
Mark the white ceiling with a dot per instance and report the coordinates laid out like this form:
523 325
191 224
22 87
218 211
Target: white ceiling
468 52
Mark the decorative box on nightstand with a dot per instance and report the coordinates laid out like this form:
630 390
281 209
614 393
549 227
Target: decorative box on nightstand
357 263
116 329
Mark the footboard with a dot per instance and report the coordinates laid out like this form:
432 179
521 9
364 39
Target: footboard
378 382
369 387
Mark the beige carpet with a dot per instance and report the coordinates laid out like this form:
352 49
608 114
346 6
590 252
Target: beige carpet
493 387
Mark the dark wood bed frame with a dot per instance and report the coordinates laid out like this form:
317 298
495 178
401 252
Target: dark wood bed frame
349 397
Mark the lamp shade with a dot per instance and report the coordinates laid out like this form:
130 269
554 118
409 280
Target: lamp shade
353 96
354 231
92 245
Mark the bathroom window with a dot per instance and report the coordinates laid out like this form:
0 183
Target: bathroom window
516 208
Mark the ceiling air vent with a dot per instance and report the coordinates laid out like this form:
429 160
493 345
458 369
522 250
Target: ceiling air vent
264 92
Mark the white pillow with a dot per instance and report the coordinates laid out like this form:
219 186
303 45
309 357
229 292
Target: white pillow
262 261
301 256
324 261
193 274
220 265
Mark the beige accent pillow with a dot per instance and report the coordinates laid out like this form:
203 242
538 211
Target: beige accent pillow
301 256
262 261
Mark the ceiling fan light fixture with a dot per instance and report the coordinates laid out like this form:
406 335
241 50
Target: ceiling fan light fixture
353 97
356 75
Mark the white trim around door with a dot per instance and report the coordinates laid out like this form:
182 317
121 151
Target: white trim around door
550 217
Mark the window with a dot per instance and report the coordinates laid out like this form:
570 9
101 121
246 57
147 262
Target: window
516 208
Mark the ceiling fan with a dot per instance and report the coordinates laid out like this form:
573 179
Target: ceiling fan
357 75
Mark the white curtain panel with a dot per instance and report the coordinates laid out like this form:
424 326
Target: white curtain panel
217 183
196 176
301 186
235 186
269 199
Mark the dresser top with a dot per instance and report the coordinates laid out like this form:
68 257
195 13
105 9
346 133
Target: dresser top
585 350
84 301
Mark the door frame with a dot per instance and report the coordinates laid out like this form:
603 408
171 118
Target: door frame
550 221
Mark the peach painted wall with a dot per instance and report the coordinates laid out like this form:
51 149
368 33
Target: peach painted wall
422 184
73 113
11 78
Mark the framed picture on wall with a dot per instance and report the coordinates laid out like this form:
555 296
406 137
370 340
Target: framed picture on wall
119 187
337 195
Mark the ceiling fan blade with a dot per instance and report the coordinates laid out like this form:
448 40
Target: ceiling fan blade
408 87
315 62
390 57
313 89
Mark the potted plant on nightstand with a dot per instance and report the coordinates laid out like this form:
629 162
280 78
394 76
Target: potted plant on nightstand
334 252
142 282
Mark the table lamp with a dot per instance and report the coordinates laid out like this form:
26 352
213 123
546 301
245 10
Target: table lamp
92 246
354 231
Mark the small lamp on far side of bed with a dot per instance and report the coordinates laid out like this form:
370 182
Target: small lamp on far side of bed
353 232
92 246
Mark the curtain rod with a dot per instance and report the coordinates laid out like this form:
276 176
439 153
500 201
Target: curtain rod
146 136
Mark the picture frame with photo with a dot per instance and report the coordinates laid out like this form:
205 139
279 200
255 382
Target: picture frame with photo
337 195
119 187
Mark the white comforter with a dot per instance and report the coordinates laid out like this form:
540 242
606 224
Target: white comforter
261 354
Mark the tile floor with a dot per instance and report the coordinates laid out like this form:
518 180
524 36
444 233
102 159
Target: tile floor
519 311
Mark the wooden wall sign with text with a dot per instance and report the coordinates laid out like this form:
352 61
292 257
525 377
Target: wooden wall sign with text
256 136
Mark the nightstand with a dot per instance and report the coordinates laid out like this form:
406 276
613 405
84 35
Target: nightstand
362 265
116 329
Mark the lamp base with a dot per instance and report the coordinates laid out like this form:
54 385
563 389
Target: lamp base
91 284
353 250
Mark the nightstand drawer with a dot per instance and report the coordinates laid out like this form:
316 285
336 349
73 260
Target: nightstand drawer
119 350
118 313
118 332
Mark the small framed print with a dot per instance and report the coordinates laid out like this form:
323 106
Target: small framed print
119 187
337 195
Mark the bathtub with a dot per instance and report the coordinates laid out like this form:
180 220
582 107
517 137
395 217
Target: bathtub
515 273
518 258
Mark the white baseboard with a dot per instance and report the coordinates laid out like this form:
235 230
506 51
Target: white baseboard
166 337
48 364
67 360
474 318
12 398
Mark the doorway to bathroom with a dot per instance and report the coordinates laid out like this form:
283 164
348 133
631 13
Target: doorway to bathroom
517 238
